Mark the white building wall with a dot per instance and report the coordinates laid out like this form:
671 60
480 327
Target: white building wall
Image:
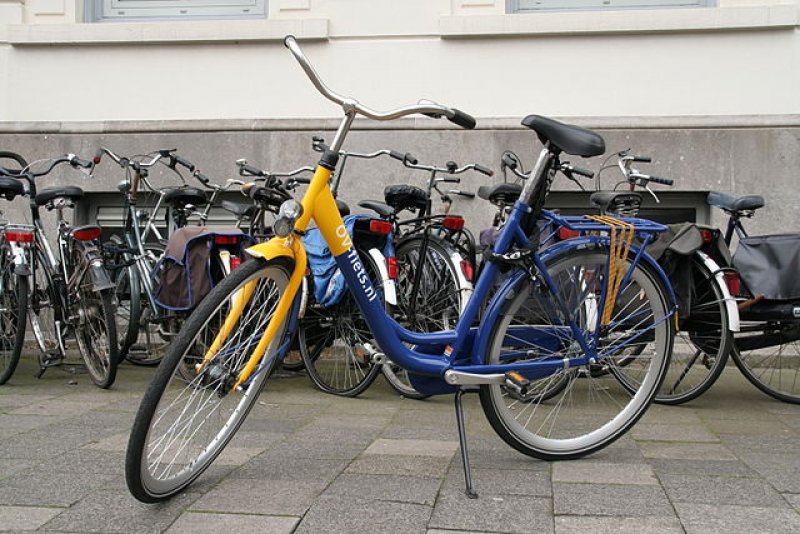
741 58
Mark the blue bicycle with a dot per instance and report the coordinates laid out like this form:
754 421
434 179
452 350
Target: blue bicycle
598 299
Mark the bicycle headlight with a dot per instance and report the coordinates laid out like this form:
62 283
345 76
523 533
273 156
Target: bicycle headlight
288 214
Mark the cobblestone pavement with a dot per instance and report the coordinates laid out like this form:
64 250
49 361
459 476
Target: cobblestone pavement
310 462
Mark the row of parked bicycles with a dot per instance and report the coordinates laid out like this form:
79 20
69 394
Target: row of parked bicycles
567 326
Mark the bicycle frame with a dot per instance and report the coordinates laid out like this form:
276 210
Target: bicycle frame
454 357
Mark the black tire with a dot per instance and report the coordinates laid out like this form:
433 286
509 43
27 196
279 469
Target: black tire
703 342
129 308
170 396
329 341
95 324
775 370
554 420
437 301
14 302
152 339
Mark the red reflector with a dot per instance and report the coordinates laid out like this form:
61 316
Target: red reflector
467 269
235 262
380 227
391 267
566 233
19 237
707 235
733 282
226 239
453 222
87 234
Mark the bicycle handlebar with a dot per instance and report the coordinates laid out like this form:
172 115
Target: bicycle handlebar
350 105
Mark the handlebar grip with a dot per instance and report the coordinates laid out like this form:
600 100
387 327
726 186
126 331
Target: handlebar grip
183 162
302 180
453 180
462 119
78 162
583 172
642 159
663 181
202 178
466 194
409 158
98 156
250 170
396 155
509 161
485 170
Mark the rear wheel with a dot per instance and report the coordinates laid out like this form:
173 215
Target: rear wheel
95 325
574 411
13 314
332 343
153 336
183 423
433 305
773 369
703 341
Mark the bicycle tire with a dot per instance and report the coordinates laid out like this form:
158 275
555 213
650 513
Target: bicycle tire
438 301
147 478
96 328
773 370
579 275
153 337
14 295
702 344
329 340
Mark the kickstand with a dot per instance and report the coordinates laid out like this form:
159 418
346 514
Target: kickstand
462 438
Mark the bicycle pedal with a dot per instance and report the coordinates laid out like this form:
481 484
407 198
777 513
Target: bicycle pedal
516 384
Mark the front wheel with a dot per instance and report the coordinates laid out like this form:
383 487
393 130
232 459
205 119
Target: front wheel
14 305
184 423
575 411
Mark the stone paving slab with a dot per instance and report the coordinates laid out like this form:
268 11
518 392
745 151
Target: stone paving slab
308 462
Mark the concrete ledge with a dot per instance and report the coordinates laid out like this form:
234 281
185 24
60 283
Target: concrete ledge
770 17
422 123
169 32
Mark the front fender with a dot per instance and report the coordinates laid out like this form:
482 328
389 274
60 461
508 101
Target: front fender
101 280
274 248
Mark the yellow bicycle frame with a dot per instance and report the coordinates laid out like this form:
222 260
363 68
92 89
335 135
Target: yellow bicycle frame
317 202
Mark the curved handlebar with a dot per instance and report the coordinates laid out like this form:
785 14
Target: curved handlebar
431 109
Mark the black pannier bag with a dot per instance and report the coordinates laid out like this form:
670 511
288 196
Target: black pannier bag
770 265
187 271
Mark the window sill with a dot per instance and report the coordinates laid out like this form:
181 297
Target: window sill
166 32
776 16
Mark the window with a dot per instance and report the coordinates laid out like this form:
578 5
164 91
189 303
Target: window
121 10
527 6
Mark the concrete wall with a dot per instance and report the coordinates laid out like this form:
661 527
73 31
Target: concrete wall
743 160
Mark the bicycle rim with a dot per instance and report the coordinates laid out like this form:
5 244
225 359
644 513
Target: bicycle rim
702 344
775 370
576 411
14 305
183 425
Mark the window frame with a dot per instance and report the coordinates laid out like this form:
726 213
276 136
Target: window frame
513 6
158 10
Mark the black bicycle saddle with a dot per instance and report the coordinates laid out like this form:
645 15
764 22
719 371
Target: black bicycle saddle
402 197
70 192
571 139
